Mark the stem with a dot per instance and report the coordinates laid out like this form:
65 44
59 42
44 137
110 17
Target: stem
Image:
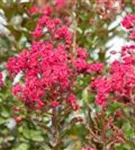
56 139
94 135
74 17
104 130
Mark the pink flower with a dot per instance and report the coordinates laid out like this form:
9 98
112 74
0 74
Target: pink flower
12 66
81 52
95 67
73 102
17 89
47 10
80 64
128 21
101 99
55 104
38 32
60 3
48 66
120 80
43 20
45 67
103 87
33 10
18 119
1 76
64 33
132 35
133 1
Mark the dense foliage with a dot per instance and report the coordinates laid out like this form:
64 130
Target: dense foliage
60 89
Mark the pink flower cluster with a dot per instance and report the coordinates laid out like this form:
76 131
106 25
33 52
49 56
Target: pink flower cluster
1 82
60 3
129 23
80 62
120 80
53 30
103 88
47 67
82 65
96 67
46 10
133 1
107 8
46 74
88 148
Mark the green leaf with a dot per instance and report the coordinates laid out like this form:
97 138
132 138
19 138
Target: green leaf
2 120
5 113
33 135
22 146
36 136
26 133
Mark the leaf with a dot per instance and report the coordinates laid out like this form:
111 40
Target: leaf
33 135
22 146
36 136
5 113
2 120
26 133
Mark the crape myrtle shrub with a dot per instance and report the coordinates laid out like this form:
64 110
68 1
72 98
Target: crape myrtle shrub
54 94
